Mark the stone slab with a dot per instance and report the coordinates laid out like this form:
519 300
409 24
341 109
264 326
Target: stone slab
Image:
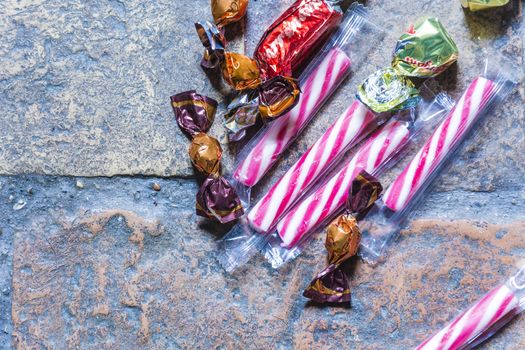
85 86
111 263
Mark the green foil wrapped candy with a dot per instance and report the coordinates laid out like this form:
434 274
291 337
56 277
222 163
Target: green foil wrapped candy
476 5
386 91
425 50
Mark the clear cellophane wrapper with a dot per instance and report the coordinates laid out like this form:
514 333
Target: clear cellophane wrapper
378 153
237 247
483 94
343 54
483 318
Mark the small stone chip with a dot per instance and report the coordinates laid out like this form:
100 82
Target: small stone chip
80 184
156 186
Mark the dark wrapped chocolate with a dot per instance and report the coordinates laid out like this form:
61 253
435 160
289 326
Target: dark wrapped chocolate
194 112
277 96
205 154
218 200
342 242
242 113
214 43
293 36
329 286
228 11
364 192
240 71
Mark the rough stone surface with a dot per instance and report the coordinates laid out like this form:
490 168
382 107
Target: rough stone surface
112 263
115 264
92 81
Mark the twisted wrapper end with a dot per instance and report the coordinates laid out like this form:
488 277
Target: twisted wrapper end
217 200
342 242
214 44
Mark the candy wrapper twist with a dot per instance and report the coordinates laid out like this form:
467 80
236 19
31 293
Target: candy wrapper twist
342 242
425 50
267 79
216 198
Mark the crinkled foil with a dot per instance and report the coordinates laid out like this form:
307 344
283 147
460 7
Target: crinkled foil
228 11
476 5
294 35
214 43
330 286
205 154
364 192
342 239
217 200
242 113
425 50
277 96
240 71
342 242
386 91
194 112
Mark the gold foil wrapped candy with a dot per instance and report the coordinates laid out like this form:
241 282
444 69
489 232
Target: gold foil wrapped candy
240 71
216 198
205 154
342 239
476 5
342 242
228 11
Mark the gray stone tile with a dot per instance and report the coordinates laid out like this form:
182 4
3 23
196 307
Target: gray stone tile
111 263
85 87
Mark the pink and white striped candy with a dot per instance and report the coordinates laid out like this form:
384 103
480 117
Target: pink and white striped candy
446 136
331 197
354 124
485 313
319 85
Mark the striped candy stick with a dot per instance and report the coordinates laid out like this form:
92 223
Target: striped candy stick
484 314
330 197
444 138
354 124
318 86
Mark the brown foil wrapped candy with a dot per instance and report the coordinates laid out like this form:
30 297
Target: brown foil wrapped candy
205 154
329 286
217 200
342 242
364 192
277 96
228 11
240 71
342 239
194 112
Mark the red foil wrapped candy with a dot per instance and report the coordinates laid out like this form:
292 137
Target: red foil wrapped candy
291 38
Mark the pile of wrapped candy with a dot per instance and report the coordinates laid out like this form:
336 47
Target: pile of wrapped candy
297 66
